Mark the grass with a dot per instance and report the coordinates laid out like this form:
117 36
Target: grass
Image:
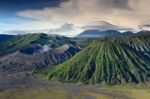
133 93
62 92
140 94
99 96
33 94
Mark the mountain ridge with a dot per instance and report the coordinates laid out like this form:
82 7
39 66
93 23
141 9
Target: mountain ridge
92 33
20 42
97 33
109 61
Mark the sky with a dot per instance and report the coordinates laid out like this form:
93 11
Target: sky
71 17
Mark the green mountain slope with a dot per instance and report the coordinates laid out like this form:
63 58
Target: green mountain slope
109 61
31 40
5 37
140 43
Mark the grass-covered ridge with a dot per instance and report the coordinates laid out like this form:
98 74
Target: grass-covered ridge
140 43
29 40
108 61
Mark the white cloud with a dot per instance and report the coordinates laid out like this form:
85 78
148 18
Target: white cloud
103 25
100 25
124 13
145 25
65 29
22 28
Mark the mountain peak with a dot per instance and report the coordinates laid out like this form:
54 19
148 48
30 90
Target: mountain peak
97 33
108 61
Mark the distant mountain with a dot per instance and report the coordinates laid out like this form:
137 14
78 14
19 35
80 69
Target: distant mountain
24 60
5 37
31 40
143 32
109 61
97 33
128 33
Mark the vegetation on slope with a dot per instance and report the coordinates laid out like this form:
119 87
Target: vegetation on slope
140 43
5 37
109 61
84 42
24 41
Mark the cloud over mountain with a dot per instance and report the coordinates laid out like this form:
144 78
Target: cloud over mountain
145 25
103 25
64 28
125 13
